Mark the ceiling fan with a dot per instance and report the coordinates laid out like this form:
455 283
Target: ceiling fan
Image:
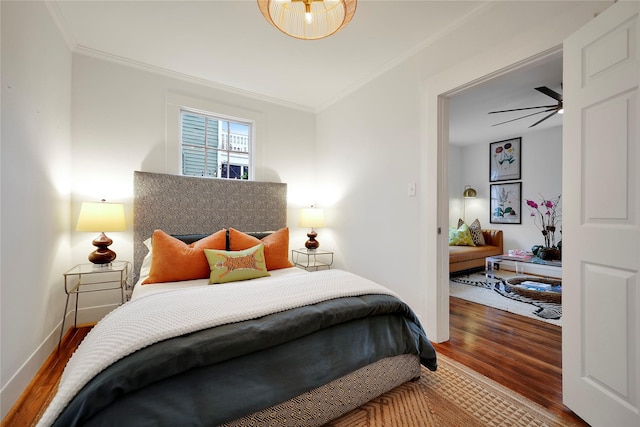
553 109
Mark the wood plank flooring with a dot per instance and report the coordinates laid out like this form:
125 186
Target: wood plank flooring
521 354
34 400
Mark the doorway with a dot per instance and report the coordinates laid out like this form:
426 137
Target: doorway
435 179
586 385
474 134
467 160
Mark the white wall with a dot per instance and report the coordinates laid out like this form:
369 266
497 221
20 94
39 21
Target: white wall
541 175
124 119
366 159
381 233
456 185
36 106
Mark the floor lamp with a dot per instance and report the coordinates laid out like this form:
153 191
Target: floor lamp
468 193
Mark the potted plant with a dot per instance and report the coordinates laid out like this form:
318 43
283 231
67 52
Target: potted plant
546 216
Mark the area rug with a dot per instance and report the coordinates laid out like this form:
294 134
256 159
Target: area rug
454 395
474 288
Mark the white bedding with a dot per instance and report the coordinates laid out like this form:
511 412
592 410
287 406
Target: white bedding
152 288
165 314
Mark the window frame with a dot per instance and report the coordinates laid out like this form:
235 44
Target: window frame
228 139
168 153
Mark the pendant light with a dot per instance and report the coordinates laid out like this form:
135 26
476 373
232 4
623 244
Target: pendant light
308 19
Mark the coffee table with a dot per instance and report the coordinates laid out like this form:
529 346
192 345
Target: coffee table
519 261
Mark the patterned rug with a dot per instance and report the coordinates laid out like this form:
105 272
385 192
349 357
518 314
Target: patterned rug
541 309
454 395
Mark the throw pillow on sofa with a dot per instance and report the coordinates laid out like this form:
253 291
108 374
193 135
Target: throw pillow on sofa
476 232
460 236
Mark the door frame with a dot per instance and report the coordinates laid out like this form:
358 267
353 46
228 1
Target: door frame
435 178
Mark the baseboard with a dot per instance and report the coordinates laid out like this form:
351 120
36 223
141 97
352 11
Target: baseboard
89 315
20 381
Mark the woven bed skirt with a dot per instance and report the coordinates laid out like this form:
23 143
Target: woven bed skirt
328 402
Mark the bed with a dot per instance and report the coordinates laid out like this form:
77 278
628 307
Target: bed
284 347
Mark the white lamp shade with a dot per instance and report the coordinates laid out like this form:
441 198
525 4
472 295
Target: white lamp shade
312 218
101 217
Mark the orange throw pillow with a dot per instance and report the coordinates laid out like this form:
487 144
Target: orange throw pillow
276 246
172 260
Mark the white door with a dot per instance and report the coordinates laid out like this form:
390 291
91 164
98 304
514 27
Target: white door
601 219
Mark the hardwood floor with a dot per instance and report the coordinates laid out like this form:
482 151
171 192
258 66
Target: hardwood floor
34 400
520 353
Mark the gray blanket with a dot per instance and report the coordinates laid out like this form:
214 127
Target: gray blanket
220 374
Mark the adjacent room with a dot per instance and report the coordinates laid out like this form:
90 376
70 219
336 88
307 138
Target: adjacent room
506 140
235 212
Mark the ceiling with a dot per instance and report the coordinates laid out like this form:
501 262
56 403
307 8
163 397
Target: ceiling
230 45
470 121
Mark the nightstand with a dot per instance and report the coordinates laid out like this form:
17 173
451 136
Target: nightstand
84 278
312 260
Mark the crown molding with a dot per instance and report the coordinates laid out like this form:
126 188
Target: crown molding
54 10
481 8
86 51
74 47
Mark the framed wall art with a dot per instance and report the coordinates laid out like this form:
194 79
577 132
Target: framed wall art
505 160
506 205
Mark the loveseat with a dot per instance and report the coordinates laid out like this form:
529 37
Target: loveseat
469 257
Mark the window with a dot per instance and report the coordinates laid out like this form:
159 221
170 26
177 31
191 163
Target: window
215 146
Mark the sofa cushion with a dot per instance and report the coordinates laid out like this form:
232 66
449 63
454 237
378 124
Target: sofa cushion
467 253
493 238
467 257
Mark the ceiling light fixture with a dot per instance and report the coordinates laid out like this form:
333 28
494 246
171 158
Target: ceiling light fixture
308 19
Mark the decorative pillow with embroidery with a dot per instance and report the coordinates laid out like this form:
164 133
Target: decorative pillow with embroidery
172 260
276 246
476 232
460 236
231 266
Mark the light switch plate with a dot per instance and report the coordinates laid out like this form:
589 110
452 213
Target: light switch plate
411 189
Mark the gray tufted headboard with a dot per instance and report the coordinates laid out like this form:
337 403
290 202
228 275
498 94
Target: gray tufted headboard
189 205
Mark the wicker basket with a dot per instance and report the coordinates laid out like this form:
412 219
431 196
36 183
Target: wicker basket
555 297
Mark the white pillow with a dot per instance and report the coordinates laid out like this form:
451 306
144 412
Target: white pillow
146 262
